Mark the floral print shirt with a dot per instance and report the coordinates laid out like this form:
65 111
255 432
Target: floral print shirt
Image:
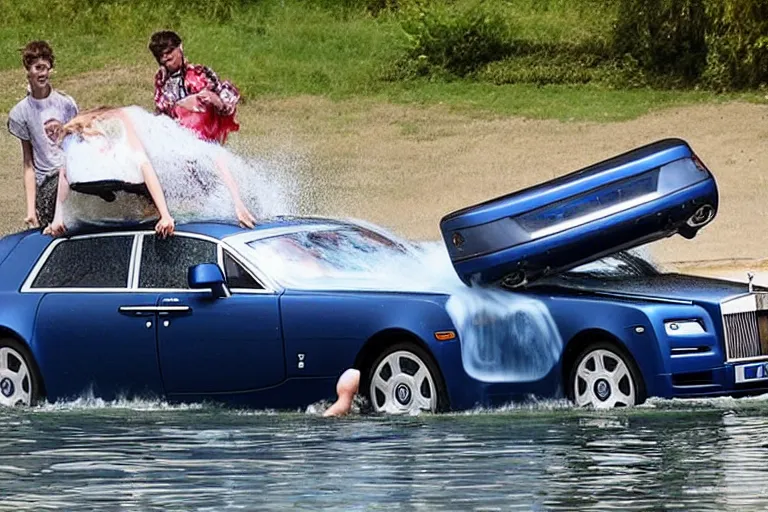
191 79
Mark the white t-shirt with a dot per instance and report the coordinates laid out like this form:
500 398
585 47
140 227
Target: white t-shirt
37 121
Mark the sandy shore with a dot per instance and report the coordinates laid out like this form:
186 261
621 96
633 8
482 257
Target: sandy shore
405 167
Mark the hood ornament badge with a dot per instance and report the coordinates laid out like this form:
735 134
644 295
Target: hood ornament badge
750 277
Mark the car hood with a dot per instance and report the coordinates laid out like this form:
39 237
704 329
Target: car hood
663 286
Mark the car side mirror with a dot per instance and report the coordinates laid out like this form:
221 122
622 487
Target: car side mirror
208 276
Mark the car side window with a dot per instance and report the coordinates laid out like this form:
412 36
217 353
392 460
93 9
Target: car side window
237 276
95 262
165 261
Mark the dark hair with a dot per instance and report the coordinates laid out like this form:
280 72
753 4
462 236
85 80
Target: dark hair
162 41
36 50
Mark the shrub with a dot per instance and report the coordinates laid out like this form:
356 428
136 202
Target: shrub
738 44
444 38
667 38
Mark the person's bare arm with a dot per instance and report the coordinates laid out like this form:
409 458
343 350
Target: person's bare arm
244 216
166 224
30 185
57 227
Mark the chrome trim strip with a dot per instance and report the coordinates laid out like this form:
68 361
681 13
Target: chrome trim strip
133 269
684 350
626 205
642 297
156 309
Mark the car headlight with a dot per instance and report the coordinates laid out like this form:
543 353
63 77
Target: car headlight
683 327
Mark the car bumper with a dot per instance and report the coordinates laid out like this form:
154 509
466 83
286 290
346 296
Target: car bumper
740 379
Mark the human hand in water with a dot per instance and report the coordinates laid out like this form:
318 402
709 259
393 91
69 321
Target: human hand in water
245 217
165 226
55 228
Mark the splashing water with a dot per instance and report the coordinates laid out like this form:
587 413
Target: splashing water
505 336
188 171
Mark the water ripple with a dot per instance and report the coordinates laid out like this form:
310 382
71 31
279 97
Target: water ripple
669 455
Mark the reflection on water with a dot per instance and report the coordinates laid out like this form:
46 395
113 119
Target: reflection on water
671 454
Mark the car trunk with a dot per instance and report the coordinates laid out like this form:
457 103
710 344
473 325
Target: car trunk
652 192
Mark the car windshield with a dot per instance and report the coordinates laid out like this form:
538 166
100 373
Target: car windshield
304 258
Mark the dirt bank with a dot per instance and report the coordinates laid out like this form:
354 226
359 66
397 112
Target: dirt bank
405 167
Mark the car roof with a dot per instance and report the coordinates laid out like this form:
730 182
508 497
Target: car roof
219 229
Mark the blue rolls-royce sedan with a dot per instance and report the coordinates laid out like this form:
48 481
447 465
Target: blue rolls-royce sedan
270 317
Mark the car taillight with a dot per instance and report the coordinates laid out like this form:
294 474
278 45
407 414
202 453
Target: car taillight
699 164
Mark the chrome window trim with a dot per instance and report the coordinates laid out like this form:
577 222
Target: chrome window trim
133 277
239 260
237 251
134 266
220 247
238 243
26 287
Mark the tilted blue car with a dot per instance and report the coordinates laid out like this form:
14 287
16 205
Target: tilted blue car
270 317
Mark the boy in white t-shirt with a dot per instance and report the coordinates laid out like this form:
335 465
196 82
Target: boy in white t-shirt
36 120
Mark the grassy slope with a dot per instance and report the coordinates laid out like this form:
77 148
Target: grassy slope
282 48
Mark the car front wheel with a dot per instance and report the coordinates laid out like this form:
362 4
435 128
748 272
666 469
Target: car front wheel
404 380
19 383
604 377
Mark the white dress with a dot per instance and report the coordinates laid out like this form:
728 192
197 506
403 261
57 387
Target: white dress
188 170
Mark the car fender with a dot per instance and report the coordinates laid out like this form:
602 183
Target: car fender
635 326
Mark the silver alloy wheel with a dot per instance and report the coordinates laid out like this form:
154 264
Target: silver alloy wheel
603 380
402 384
15 379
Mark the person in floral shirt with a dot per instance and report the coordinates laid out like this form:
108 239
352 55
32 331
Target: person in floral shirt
190 93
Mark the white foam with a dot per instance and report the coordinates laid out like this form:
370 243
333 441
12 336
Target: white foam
187 168
505 336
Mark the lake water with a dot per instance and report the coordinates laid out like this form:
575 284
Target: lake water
684 455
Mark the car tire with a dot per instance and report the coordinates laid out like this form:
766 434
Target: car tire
604 376
20 381
404 379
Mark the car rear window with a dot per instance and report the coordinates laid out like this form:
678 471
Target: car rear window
97 262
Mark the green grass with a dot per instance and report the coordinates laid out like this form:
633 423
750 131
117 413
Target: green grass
283 48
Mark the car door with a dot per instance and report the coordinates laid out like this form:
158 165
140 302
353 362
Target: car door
93 334
208 345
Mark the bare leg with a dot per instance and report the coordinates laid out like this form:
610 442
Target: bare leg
243 215
346 388
57 227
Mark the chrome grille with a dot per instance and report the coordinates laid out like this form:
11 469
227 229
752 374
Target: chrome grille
742 335
745 322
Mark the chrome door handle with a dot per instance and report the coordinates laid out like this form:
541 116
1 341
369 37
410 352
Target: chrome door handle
169 310
137 310
151 310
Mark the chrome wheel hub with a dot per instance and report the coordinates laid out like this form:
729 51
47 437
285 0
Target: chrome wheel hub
402 384
603 381
15 380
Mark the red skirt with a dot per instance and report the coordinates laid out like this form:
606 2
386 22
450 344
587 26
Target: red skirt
208 124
